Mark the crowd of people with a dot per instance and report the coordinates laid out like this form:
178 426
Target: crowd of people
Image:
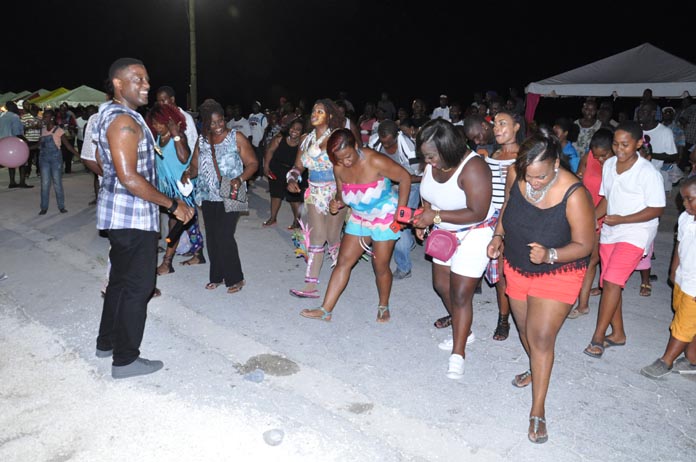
534 208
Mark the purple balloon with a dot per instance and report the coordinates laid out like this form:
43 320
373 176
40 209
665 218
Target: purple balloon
14 152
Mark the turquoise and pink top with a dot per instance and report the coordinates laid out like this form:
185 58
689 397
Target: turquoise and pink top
373 206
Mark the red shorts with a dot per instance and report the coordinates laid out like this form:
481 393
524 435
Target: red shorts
563 286
618 262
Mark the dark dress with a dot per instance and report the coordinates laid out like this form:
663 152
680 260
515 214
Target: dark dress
281 163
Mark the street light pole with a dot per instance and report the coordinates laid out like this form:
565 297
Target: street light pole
192 52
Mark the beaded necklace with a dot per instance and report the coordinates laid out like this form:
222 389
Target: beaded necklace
537 196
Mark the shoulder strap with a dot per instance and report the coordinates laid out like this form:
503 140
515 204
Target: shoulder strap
215 163
571 190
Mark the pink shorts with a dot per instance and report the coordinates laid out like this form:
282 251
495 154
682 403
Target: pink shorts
563 286
618 261
645 263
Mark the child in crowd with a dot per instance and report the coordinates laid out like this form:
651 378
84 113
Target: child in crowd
634 199
683 274
590 170
645 263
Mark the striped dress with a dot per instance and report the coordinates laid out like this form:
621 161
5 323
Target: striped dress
499 176
373 206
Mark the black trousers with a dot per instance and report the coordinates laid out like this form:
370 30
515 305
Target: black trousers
132 278
223 253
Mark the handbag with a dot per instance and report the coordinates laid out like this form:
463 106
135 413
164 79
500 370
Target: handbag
233 200
441 244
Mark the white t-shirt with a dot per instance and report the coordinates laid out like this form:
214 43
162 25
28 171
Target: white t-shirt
441 112
661 141
191 132
257 123
630 192
241 125
89 146
686 271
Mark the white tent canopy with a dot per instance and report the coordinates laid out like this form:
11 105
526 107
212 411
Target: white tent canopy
80 96
626 74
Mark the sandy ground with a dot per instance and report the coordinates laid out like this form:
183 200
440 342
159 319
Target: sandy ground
349 390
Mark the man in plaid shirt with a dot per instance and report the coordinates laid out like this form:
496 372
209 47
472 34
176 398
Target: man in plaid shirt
128 207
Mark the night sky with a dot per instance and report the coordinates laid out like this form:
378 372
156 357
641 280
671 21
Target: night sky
261 49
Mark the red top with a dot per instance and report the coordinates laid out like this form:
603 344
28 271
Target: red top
592 179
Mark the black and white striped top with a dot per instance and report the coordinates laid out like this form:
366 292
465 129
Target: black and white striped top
499 170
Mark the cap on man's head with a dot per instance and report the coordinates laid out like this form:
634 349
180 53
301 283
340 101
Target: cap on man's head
668 108
443 96
122 63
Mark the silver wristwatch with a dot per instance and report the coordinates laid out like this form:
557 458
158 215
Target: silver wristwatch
553 256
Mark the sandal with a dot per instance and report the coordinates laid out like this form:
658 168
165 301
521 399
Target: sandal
197 258
595 291
645 290
212 285
324 316
156 293
234 288
443 322
166 266
304 293
383 314
534 435
589 350
294 225
520 380
577 312
268 223
503 329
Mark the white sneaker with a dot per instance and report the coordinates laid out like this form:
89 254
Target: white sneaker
456 367
447 345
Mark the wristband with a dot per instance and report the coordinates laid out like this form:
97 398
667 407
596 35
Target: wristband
553 256
501 236
173 207
294 174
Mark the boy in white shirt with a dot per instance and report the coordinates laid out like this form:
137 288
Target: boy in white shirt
683 274
634 199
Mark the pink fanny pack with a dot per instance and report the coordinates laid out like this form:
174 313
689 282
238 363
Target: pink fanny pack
443 244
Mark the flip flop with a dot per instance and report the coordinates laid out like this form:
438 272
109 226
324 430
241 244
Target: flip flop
576 313
233 289
588 350
645 290
212 285
610 343
305 293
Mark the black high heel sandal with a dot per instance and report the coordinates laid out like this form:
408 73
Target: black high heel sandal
503 329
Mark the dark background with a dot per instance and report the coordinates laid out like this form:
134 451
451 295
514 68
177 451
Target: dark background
261 49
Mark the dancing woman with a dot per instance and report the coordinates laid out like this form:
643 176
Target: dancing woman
364 182
321 227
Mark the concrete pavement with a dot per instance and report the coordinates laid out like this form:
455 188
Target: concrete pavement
350 389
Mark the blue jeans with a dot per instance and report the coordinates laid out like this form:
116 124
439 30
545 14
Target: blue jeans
51 167
402 249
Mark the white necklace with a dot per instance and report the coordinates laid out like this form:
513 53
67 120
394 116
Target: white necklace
538 196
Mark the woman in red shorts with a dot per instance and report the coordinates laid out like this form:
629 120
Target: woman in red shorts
547 226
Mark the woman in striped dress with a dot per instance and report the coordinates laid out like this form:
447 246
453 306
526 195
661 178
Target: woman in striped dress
505 127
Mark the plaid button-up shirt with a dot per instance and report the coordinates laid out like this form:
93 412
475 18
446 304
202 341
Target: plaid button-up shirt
118 208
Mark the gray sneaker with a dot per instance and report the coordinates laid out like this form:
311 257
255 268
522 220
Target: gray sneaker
656 370
398 274
683 366
140 366
104 353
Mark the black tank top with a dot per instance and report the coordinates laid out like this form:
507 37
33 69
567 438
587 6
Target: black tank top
285 155
524 223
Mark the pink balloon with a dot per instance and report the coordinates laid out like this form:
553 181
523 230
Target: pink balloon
14 152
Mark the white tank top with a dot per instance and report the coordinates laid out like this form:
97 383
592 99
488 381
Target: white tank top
448 195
